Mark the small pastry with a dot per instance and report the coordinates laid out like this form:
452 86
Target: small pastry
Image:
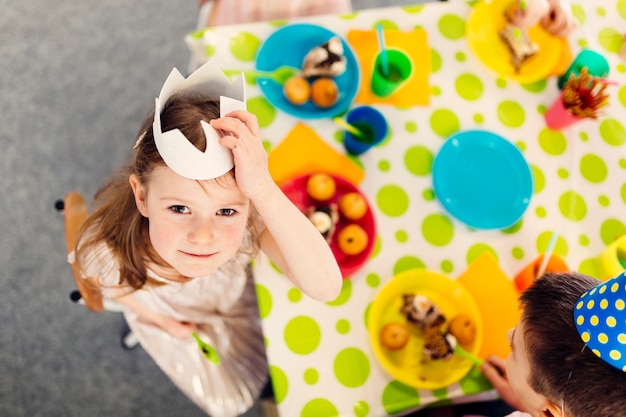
352 239
394 336
519 45
324 219
437 345
324 92
325 60
321 187
297 90
421 311
463 328
352 205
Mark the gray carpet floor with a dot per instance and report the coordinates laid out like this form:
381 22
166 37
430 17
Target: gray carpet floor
76 79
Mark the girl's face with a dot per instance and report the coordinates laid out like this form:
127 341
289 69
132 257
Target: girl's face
195 226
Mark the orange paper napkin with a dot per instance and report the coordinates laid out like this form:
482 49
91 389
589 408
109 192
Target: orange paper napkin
303 151
416 90
497 299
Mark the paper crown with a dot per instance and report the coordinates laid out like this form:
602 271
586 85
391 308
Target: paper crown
600 317
177 152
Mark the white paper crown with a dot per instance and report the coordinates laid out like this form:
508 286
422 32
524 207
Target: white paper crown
600 317
176 150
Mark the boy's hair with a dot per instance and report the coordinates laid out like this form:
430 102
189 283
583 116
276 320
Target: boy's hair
116 220
562 369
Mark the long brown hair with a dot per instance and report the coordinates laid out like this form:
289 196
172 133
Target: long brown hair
117 222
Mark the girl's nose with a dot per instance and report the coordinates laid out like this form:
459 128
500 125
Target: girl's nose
202 232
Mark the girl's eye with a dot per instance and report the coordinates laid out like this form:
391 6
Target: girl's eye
226 212
180 209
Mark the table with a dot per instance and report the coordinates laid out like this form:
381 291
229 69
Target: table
321 362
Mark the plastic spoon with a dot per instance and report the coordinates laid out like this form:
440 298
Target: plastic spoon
350 128
280 74
462 352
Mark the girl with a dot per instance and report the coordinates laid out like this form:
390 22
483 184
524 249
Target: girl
173 234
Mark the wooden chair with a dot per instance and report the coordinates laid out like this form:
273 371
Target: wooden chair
74 211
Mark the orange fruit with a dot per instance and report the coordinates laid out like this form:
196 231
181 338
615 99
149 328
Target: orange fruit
297 90
463 328
321 186
352 205
352 239
324 92
394 335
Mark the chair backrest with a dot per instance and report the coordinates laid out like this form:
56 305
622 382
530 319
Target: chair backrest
75 214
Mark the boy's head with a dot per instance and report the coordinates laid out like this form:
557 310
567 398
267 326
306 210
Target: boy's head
550 368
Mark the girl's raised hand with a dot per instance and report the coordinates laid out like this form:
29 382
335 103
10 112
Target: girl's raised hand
242 136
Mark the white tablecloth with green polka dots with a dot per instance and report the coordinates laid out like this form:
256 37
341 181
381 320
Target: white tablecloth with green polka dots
320 357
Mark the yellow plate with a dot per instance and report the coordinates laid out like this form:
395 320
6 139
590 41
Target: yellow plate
408 364
483 24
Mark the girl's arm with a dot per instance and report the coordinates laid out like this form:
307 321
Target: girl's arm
290 239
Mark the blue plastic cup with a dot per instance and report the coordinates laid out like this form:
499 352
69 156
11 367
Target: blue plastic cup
371 123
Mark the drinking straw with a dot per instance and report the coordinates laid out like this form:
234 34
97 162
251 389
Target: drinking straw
547 254
352 129
383 50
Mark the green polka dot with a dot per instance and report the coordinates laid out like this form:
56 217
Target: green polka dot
540 212
536 87
262 109
514 228
398 397
583 240
311 376
562 173
344 295
521 145
361 409
352 367
244 46
437 229
428 195
590 267
517 253
435 60
452 26
475 381
264 298
294 295
418 160
476 250
601 12
552 142
622 163
209 50
604 201
392 200
582 43
319 407
342 326
386 24
579 14
377 247
460 56
572 206
543 240
541 109
539 180
435 90
373 280
593 168
410 127
622 95
511 113
611 229
402 236
469 87
444 122
447 266
610 39
406 263
384 165
621 8
479 118
623 192
413 8
302 335
612 132
500 83
584 136
280 383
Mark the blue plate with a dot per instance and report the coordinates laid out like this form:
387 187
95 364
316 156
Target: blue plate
482 179
288 46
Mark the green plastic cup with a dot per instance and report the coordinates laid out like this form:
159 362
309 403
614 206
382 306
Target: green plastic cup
399 68
595 63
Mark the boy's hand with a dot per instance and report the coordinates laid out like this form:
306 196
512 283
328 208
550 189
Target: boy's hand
243 138
494 369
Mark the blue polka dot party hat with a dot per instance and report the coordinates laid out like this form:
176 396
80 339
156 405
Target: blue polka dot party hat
600 317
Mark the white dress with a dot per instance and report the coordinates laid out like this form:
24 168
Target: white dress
224 308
